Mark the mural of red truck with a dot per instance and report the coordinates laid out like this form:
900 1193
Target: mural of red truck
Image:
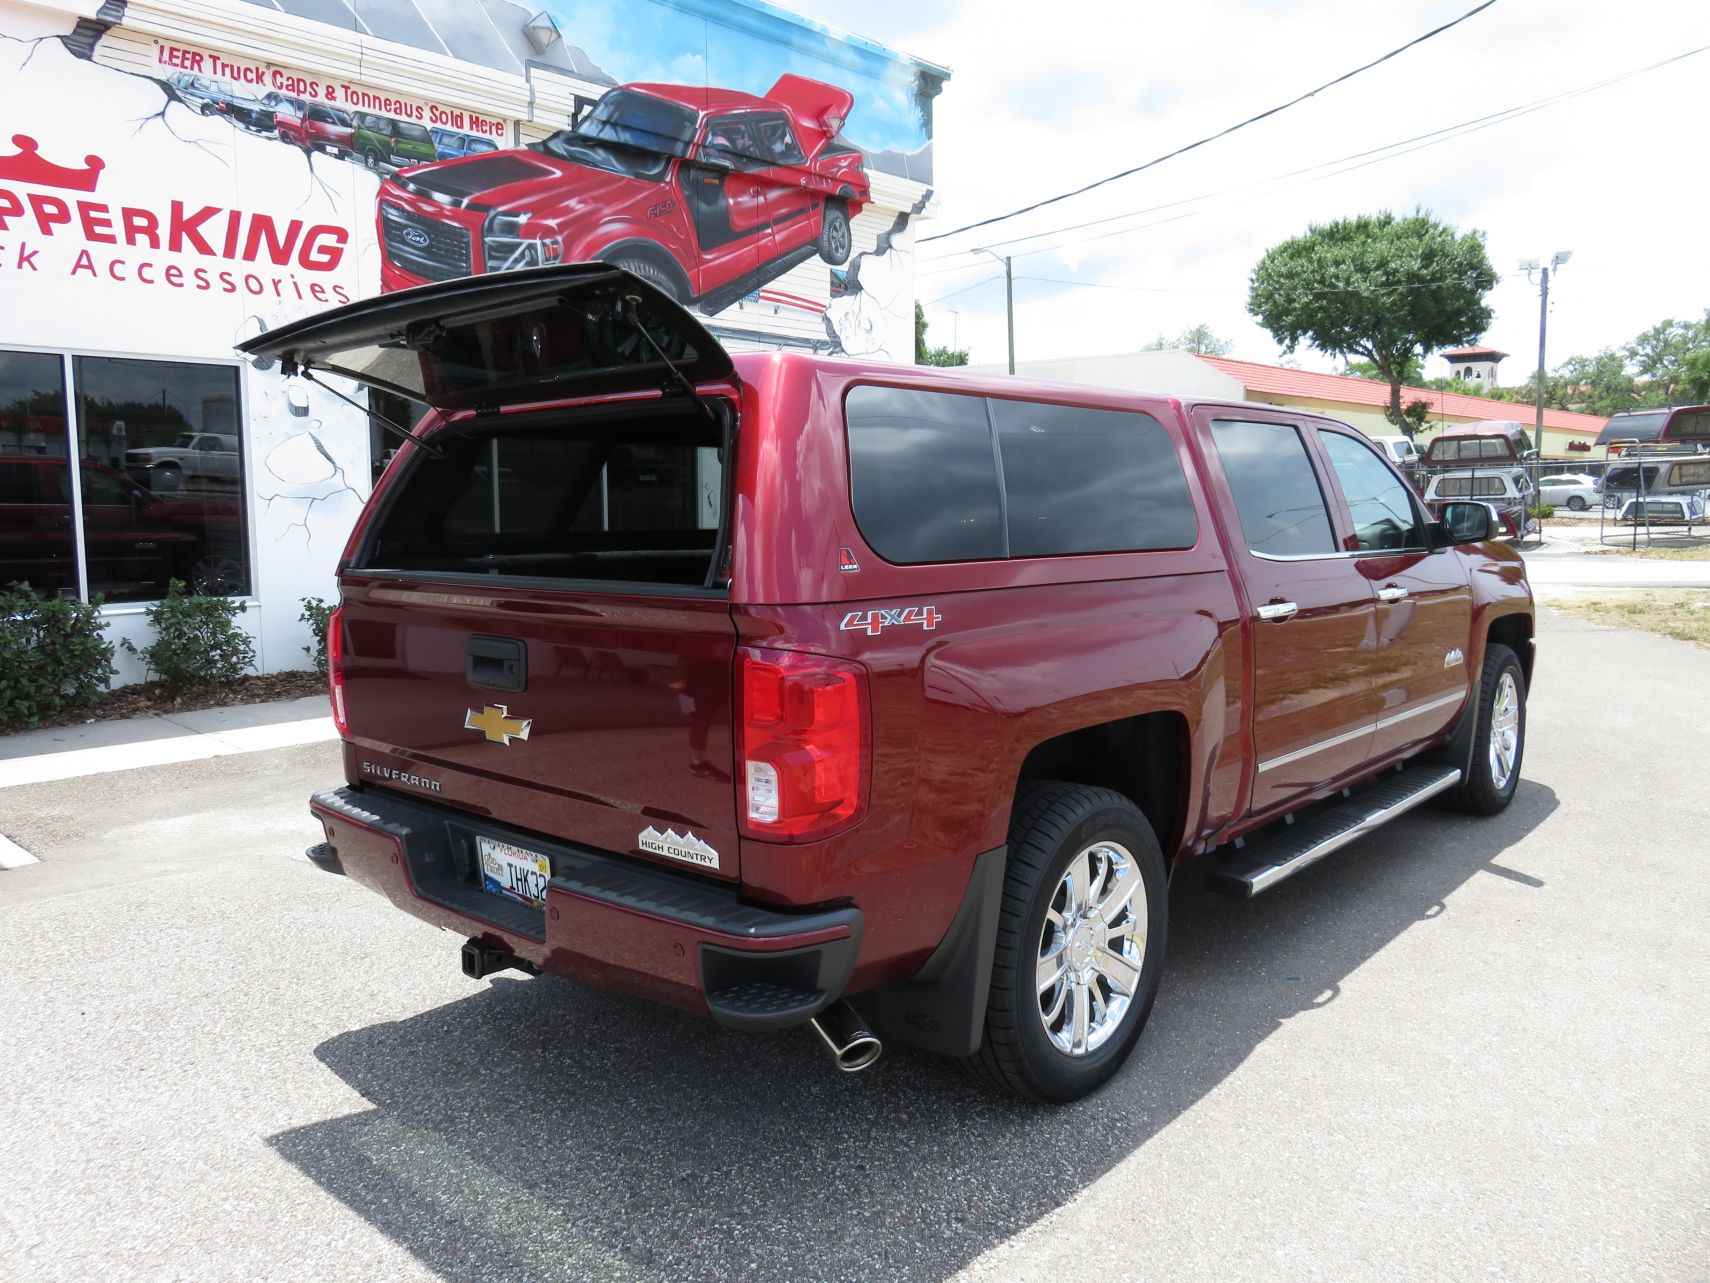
706 193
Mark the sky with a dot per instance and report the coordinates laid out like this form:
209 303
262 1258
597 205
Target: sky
1044 98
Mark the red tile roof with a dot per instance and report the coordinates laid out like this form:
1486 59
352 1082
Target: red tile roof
1278 380
1471 351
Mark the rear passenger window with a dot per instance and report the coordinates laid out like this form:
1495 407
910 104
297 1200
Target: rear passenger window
1282 510
1077 480
924 475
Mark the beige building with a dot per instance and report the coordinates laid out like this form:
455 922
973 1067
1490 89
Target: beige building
1360 402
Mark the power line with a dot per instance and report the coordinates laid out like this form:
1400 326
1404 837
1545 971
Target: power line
984 280
1370 156
1222 133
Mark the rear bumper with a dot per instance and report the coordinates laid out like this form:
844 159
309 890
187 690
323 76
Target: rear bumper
608 921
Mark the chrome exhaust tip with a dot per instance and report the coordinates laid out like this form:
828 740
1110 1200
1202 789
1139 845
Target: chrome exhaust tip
845 1034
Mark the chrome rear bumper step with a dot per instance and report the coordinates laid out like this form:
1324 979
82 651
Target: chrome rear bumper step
1266 860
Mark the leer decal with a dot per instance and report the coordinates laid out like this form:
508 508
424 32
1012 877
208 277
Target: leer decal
874 622
683 846
497 724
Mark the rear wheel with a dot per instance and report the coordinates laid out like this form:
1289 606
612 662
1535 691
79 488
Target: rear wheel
1576 504
650 272
834 238
1080 943
1499 736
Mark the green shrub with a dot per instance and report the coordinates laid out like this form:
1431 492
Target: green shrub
1541 510
315 614
52 656
197 641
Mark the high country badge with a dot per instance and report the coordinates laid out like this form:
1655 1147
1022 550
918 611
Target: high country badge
677 846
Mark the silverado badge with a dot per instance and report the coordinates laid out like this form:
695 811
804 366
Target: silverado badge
497 724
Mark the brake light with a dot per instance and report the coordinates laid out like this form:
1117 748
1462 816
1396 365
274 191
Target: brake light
335 669
804 744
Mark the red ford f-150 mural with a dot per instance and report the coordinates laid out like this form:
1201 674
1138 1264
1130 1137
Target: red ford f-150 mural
704 193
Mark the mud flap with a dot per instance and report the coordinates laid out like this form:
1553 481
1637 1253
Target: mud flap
942 1008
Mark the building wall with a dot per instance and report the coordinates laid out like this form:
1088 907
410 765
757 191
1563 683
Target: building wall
140 221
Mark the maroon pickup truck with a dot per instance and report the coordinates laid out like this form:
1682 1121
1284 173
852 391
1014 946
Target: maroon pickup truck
790 690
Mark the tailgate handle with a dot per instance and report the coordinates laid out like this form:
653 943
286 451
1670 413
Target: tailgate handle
497 664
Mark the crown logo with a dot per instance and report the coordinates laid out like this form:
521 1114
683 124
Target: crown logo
29 167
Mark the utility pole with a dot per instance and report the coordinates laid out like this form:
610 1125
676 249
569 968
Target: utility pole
1529 266
1008 297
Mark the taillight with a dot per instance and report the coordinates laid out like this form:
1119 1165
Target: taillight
335 669
804 744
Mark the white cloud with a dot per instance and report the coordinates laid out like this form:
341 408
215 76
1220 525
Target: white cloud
1044 98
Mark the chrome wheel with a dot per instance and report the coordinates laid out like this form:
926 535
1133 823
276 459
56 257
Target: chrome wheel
1091 948
1504 730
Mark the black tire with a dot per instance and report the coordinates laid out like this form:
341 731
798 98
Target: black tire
835 241
650 272
1576 504
1482 792
1051 825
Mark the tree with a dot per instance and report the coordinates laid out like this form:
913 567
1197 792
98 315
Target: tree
1385 289
1197 339
924 355
1413 371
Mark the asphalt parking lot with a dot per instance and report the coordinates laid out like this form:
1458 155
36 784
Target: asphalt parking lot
1459 1049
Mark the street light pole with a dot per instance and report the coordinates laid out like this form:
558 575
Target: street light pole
1543 326
1008 298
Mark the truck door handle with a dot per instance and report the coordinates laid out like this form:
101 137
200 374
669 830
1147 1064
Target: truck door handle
1391 592
1277 611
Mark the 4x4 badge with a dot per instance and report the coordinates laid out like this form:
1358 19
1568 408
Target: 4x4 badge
497 724
874 622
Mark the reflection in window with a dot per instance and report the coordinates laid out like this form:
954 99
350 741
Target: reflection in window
161 456
1377 500
1276 491
37 546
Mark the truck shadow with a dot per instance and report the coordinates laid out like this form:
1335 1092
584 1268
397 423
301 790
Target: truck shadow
537 1130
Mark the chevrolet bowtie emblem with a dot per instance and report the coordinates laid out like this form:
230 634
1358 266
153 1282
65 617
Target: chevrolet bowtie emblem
497 724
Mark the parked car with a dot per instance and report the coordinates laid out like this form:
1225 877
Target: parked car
703 193
213 97
1576 491
192 454
312 126
386 144
1401 449
448 144
923 719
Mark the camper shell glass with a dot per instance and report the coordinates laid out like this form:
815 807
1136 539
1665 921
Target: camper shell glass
945 476
550 333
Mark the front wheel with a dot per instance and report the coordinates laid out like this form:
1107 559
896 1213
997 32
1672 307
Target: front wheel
1499 736
1080 943
834 238
1576 504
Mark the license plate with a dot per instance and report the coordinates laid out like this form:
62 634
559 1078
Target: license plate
514 873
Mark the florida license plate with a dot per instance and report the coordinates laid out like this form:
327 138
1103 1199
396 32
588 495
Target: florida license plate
514 873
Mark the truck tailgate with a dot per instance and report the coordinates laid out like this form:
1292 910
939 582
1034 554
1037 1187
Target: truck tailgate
616 733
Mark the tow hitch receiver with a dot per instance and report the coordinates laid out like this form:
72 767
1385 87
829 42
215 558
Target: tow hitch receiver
481 960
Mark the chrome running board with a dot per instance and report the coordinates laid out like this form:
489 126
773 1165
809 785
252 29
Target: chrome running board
1263 861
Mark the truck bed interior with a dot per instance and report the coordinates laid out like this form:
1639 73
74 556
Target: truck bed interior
627 498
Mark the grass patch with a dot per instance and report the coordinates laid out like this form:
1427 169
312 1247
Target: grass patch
1682 613
1666 552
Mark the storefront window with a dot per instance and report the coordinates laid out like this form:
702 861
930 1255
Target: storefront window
160 476
37 546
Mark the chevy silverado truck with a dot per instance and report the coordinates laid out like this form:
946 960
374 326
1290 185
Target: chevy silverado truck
797 691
